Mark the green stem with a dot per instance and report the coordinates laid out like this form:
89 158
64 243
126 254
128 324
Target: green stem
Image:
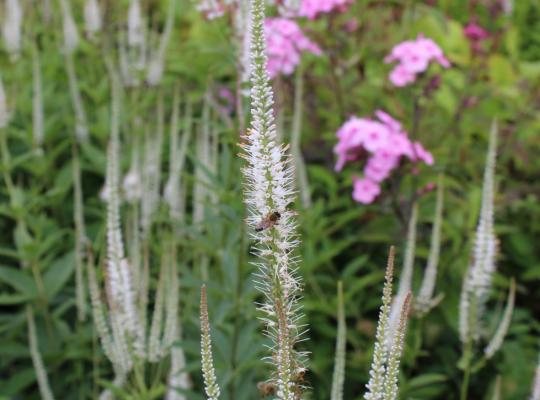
467 355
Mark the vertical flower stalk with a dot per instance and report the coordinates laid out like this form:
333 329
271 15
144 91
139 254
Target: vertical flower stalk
497 340
177 158
71 42
157 60
71 35
92 18
375 386
477 282
80 238
394 357
405 281
136 31
339 363
383 381
535 393
12 28
37 99
178 377
268 195
497 389
300 165
210 382
4 110
425 300
41 372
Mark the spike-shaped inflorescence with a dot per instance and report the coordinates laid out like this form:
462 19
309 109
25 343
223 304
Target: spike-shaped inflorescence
37 361
383 381
477 282
210 382
405 280
425 300
339 364
268 195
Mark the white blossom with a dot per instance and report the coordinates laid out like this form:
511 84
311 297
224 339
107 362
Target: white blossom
12 28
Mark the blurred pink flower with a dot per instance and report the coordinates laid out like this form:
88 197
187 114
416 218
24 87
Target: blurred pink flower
422 154
414 57
313 8
285 41
475 32
380 165
385 142
365 190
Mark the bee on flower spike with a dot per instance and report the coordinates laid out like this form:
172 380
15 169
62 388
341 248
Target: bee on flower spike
268 222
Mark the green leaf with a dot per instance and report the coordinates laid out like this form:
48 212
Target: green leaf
58 274
500 70
18 280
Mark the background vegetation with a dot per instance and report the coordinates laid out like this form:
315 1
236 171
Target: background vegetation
341 239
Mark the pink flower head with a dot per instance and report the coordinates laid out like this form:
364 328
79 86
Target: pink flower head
392 124
365 190
376 136
285 41
311 9
475 32
385 142
351 138
422 154
414 57
380 165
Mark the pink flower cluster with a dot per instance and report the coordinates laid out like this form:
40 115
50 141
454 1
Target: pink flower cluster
285 41
312 8
413 57
385 142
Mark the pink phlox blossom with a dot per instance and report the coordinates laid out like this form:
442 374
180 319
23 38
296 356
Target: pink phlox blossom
421 154
385 142
365 190
311 9
380 165
285 41
351 139
414 57
475 32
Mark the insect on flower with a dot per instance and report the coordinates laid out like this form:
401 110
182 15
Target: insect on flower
269 221
266 388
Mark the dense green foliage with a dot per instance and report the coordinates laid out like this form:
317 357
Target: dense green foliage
341 239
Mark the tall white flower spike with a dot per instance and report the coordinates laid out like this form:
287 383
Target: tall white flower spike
268 195
477 282
210 382
425 300
339 363
384 371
